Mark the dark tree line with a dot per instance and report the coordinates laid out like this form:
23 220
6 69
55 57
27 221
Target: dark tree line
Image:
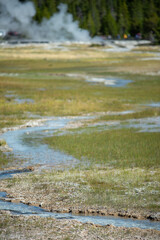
108 17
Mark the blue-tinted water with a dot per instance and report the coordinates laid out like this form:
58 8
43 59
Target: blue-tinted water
153 104
10 173
23 209
24 100
26 144
109 82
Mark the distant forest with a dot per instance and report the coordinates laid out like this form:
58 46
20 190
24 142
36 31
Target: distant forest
116 18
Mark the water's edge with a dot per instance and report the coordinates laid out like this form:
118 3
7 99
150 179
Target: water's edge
18 141
28 210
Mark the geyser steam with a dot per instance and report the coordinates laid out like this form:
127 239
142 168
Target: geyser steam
16 16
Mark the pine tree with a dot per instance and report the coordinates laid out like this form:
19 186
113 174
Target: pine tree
112 26
104 18
51 6
91 26
107 16
95 16
151 18
137 17
84 5
46 13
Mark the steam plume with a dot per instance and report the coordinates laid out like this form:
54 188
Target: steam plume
16 16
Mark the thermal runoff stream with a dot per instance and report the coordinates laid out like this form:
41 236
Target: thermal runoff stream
26 144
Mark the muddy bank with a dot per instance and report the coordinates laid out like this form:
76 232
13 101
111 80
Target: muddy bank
10 172
28 210
61 200
34 227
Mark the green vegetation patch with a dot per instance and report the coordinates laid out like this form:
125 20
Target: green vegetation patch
115 148
5 159
143 113
61 95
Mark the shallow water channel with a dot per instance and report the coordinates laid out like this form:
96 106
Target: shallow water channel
23 209
107 81
26 143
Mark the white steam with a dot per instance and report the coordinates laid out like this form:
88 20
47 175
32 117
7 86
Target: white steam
16 16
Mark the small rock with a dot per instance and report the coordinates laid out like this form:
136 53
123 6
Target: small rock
14 200
155 216
30 168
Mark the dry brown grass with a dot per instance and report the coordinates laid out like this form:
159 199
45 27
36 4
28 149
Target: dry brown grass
151 67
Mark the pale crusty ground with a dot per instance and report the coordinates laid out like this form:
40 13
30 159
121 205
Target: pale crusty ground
37 228
63 196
